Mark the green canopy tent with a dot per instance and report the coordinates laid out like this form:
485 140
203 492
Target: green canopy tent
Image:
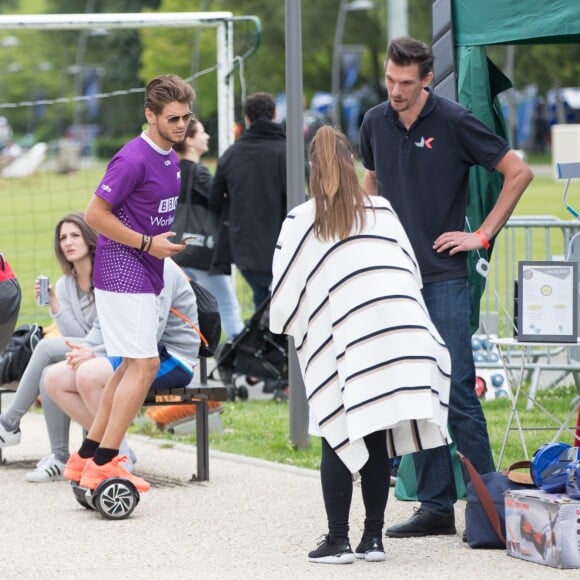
461 30
478 23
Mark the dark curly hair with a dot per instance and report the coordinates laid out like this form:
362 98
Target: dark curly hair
260 106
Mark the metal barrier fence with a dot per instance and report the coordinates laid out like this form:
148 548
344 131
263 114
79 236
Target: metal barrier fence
537 238
522 238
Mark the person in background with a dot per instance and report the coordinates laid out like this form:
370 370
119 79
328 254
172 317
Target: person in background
71 304
190 151
541 128
250 181
347 287
10 152
418 150
77 390
133 209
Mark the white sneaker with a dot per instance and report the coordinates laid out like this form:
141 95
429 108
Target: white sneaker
130 457
127 463
8 438
47 469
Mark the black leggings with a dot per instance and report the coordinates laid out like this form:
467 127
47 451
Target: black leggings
337 487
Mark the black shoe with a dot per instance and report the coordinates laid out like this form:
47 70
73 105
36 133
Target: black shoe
370 549
337 552
423 523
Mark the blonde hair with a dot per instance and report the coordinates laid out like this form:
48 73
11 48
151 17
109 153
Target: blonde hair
339 199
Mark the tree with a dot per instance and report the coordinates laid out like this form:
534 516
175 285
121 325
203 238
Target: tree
545 65
125 59
37 68
265 70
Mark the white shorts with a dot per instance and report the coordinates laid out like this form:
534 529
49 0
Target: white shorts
129 323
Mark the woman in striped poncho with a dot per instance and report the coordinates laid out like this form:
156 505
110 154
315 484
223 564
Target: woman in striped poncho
347 288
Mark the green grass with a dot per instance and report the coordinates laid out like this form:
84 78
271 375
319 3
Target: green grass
31 207
257 428
557 401
538 158
253 428
260 429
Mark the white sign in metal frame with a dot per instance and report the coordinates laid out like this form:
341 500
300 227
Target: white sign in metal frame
547 301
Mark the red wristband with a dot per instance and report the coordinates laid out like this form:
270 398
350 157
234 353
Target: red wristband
483 239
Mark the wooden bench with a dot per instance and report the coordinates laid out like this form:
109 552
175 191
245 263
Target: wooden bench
198 394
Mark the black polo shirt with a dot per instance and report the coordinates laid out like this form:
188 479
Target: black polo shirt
424 173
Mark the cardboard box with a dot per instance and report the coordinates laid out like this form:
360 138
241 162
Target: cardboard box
543 527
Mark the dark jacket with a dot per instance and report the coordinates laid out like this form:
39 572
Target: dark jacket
196 176
251 176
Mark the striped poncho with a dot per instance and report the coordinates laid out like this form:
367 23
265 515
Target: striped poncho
370 357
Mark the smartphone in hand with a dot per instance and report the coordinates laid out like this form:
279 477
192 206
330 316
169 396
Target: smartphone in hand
188 239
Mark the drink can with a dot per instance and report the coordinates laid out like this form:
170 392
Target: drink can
43 293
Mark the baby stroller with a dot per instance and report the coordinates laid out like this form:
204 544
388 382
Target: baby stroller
254 355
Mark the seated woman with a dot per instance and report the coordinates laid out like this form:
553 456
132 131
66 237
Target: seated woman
77 388
72 306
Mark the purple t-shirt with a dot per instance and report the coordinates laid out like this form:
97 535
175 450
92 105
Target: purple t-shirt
142 184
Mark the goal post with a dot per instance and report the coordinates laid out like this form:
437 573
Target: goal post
221 21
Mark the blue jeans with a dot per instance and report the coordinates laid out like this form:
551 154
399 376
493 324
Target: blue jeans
449 304
220 285
260 283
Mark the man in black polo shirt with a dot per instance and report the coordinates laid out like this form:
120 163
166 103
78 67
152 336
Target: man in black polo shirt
418 149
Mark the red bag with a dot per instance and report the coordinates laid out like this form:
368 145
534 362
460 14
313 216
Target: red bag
10 297
6 272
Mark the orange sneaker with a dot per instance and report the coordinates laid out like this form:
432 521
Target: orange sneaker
94 474
74 467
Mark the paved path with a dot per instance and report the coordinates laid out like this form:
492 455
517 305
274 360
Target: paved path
253 520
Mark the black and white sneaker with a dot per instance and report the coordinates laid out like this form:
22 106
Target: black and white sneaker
47 469
370 549
337 552
8 438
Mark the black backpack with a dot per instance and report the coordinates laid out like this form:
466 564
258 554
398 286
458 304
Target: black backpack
208 317
15 356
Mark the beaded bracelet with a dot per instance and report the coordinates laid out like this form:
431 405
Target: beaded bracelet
483 239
